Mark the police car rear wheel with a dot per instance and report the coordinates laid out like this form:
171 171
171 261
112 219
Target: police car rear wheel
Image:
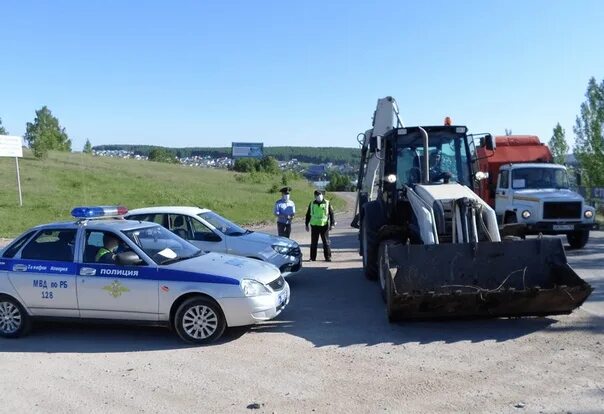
14 321
199 320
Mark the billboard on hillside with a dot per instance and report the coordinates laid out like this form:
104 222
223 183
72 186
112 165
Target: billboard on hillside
10 146
247 150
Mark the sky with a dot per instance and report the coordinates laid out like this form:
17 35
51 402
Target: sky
208 73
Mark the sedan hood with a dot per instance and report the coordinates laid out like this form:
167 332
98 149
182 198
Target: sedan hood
265 238
226 265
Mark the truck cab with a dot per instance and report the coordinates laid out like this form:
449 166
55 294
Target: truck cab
538 196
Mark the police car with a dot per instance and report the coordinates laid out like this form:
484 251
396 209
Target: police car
211 232
153 276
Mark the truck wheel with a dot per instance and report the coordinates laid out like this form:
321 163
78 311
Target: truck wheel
370 250
578 239
199 320
510 218
14 321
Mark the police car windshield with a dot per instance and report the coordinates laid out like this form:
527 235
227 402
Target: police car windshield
223 225
161 245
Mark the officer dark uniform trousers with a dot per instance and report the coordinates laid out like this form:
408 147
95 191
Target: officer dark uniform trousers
321 218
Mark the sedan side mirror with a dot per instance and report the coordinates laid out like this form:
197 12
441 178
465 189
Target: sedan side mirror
128 259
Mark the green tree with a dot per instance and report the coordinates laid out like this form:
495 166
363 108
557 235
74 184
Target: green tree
558 145
45 134
87 147
338 182
160 154
3 130
245 165
269 165
589 140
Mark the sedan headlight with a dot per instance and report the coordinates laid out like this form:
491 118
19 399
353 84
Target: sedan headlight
588 214
279 248
252 287
526 214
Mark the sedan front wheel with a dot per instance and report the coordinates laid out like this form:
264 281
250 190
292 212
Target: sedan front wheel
199 320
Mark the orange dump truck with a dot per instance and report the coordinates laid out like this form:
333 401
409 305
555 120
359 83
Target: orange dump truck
524 186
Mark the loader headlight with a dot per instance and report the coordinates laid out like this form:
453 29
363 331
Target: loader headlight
588 214
526 214
391 178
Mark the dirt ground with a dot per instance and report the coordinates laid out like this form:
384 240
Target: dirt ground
331 350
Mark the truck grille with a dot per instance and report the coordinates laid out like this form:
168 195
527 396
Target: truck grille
277 284
562 210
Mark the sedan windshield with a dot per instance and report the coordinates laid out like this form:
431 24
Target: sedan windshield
223 225
539 178
161 245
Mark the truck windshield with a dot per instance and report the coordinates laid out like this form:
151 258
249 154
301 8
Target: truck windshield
448 158
539 178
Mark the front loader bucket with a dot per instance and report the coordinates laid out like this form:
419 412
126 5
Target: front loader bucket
488 279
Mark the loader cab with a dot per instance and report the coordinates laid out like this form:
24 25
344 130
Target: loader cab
448 153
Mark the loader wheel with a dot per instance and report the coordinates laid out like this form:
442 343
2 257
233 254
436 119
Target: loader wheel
370 252
384 267
578 239
389 299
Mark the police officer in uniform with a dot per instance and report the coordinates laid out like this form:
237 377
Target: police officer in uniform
106 254
285 209
321 219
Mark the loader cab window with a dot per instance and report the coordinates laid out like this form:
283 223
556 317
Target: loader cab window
448 155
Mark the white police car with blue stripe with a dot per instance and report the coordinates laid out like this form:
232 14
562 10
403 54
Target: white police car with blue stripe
105 267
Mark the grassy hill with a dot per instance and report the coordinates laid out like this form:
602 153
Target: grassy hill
52 187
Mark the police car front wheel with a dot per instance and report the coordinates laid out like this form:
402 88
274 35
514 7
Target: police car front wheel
14 321
199 320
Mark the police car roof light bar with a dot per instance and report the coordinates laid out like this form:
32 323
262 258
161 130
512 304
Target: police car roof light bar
91 212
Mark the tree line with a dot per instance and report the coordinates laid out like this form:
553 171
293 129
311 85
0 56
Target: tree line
313 155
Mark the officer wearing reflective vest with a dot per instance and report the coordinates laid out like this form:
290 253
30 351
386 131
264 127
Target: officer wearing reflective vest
106 254
321 219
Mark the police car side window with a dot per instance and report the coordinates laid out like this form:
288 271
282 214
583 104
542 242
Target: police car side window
52 245
15 247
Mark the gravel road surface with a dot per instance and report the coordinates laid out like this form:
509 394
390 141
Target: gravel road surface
331 350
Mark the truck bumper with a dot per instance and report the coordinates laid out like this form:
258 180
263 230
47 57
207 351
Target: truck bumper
559 227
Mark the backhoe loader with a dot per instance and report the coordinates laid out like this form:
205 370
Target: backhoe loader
434 245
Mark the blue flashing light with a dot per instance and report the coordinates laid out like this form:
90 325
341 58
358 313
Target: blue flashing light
89 212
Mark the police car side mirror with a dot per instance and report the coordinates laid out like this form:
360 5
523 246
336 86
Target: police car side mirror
128 259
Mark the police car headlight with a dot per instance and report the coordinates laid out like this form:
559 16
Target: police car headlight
280 248
588 214
252 287
526 214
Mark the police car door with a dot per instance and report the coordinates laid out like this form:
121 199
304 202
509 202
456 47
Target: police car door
40 267
114 291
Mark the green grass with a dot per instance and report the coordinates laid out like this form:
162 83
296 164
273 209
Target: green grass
52 187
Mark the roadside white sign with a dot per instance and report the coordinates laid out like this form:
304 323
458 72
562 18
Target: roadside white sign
11 146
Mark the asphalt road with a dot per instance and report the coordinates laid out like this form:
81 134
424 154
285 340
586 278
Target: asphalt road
331 350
